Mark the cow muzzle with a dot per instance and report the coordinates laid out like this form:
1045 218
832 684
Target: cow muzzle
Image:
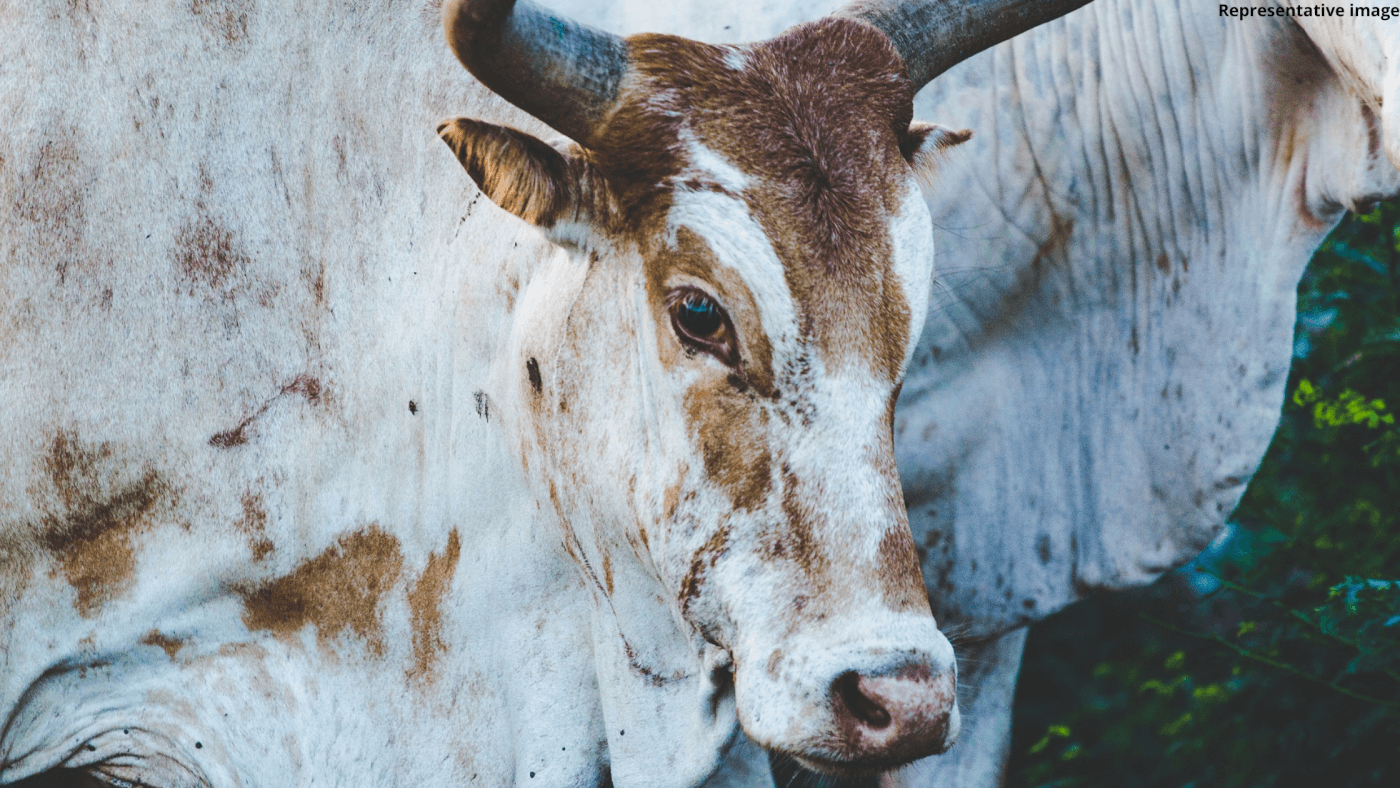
856 710
883 721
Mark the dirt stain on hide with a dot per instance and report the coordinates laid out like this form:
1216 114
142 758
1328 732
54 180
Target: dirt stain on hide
425 607
338 590
93 538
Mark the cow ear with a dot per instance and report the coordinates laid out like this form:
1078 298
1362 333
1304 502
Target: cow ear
523 174
931 143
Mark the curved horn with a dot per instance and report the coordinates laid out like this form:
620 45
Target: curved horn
932 36
562 72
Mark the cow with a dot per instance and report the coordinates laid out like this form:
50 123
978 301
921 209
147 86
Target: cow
324 462
1108 343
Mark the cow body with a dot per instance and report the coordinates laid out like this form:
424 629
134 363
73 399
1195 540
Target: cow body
233 370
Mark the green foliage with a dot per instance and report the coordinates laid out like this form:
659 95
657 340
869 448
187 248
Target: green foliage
1274 661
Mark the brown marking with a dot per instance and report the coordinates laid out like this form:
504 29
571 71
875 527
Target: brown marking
254 525
94 538
607 573
303 385
1060 232
425 606
52 198
701 563
171 646
226 20
693 257
1162 264
730 434
794 539
899 579
337 590
207 253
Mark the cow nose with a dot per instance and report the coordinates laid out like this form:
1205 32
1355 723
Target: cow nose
895 716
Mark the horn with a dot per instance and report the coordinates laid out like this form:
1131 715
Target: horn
932 36
558 70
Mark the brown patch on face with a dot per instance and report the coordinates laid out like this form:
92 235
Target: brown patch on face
425 606
338 590
819 117
171 646
254 525
898 575
795 540
701 563
94 539
693 258
730 434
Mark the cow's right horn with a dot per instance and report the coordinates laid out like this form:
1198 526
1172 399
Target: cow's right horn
562 72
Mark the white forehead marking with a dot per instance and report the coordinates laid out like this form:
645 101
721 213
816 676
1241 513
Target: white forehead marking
739 243
911 236
705 162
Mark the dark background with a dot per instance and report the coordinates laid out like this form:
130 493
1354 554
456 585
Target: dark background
1274 659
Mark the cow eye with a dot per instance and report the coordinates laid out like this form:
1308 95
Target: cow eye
701 323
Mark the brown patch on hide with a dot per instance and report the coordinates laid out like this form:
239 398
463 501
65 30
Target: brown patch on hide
304 386
253 524
338 590
730 434
817 118
226 20
425 606
171 646
93 539
52 199
207 253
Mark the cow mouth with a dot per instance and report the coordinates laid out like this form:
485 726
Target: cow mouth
858 767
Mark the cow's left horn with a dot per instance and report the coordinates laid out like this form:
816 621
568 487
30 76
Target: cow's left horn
562 72
932 36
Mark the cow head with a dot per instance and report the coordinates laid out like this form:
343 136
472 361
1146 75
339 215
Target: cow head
707 377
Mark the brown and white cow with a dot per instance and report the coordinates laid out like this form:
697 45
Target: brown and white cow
316 468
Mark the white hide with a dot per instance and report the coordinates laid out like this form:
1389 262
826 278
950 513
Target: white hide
204 209
1111 328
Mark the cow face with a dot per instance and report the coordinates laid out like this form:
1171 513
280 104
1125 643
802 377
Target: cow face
710 413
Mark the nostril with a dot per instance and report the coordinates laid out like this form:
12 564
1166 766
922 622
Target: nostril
864 708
